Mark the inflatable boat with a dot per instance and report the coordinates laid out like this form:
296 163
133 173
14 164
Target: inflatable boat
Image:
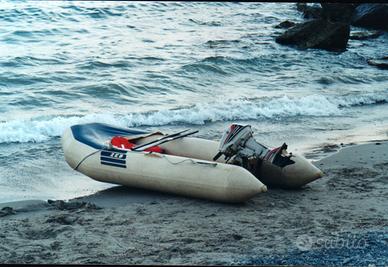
178 164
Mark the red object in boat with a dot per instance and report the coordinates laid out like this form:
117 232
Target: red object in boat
122 142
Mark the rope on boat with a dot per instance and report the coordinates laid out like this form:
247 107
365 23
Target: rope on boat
91 154
192 161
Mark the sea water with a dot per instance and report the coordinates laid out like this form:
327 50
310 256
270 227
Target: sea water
170 66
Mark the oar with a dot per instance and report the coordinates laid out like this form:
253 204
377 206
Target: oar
163 140
159 139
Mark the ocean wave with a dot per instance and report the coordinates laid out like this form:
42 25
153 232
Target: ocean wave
203 68
105 90
20 12
29 61
206 23
42 129
11 79
226 65
362 100
35 33
100 64
221 42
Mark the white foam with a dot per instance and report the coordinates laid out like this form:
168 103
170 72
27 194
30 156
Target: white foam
361 99
239 109
41 129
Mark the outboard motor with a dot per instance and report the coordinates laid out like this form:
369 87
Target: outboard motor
237 144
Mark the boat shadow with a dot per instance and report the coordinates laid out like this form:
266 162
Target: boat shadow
118 196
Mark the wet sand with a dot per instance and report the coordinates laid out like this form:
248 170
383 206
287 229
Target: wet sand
340 219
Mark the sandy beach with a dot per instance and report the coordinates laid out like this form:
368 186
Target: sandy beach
340 219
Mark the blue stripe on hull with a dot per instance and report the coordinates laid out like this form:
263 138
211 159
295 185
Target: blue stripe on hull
114 160
113 164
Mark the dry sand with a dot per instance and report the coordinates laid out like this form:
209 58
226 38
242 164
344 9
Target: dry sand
340 219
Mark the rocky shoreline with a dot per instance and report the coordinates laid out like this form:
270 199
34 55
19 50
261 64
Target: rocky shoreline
329 27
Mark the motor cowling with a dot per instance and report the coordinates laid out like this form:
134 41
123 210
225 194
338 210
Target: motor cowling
240 148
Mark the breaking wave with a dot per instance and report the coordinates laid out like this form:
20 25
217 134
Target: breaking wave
40 129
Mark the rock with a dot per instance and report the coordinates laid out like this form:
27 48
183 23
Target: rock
62 219
72 205
6 211
140 211
365 35
381 63
309 12
59 204
237 237
338 12
285 24
174 248
55 245
318 33
373 16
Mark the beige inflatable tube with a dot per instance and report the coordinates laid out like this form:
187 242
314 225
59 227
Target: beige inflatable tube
190 174
291 176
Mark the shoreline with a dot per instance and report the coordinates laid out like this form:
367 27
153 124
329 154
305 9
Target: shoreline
325 150
131 226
